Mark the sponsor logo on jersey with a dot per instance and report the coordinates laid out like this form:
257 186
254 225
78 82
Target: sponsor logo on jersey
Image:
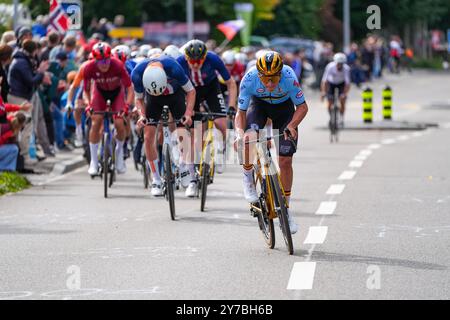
260 90
299 94
241 101
296 84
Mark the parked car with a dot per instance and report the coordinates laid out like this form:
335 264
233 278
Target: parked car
286 44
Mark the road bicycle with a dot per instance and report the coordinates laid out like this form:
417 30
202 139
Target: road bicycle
206 169
107 156
334 118
170 170
272 202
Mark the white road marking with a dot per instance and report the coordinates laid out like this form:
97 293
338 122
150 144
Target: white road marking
347 175
374 146
302 276
388 141
336 189
366 152
316 235
417 134
235 216
446 125
403 138
326 208
356 164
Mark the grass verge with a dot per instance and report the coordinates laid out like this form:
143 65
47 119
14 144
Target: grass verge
12 182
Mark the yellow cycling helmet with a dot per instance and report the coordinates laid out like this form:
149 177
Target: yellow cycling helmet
270 63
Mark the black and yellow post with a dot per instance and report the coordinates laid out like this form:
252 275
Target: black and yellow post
367 96
387 103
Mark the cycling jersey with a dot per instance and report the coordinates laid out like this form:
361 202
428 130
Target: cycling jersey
176 77
207 72
237 73
116 76
288 88
334 76
130 65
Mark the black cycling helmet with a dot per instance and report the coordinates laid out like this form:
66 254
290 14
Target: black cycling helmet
195 49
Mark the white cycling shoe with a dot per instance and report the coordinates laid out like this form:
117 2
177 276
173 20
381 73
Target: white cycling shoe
157 189
93 169
191 190
250 193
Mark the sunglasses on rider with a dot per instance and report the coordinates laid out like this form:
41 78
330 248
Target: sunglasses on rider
272 78
103 62
196 61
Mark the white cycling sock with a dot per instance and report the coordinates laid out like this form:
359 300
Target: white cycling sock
79 132
192 172
94 153
154 165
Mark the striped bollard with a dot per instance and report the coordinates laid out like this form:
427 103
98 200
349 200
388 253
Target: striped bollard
367 96
387 103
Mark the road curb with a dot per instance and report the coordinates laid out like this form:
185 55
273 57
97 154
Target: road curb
68 165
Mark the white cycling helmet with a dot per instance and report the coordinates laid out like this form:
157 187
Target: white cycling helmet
340 58
154 80
228 57
154 51
172 51
122 48
144 49
241 57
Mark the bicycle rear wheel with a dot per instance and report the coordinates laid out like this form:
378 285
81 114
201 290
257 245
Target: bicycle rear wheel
280 206
169 181
265 223
105 164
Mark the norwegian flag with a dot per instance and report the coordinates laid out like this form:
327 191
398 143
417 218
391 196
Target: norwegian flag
58 20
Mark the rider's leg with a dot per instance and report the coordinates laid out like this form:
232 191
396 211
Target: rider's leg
94 139
151 151
286 175
120 137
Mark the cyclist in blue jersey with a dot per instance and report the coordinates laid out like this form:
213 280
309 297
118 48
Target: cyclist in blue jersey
161 81
271 90
202 67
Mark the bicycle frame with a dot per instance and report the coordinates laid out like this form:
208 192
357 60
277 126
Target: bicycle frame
265 167
208 141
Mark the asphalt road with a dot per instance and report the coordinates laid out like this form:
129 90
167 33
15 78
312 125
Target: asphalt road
373 212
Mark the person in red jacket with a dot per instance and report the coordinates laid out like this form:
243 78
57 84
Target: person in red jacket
8 132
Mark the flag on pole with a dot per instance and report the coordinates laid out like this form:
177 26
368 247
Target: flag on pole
58 20
231 28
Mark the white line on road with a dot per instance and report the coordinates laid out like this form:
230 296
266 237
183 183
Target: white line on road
374 146
403 138
336 189
388 141
302 276
347 175
316 235
360 158
356 164
417 134
326 208
366 152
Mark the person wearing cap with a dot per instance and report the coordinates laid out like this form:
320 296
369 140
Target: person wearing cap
23 33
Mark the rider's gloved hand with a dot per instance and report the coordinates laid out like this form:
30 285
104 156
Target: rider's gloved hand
69 107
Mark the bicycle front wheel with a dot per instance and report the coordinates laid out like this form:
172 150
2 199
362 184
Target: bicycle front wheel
169 181
262 211
204 184
280 206
105 164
